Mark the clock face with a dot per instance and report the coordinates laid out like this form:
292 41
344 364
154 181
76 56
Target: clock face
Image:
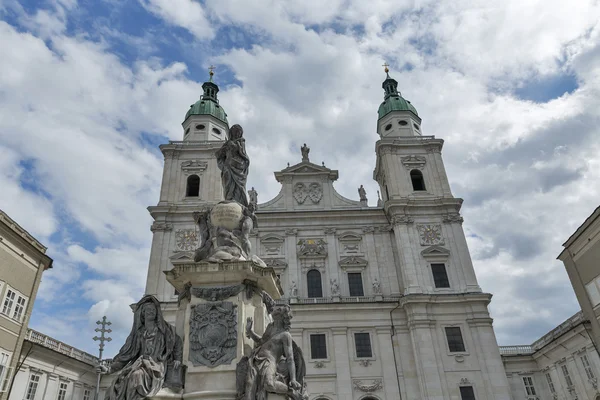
430 234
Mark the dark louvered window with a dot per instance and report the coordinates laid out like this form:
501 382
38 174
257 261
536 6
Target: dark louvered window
440 276
467 393
455 339
313 283
318 346
355 284
193 186
363 345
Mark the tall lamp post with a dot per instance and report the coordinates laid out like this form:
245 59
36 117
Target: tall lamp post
103 324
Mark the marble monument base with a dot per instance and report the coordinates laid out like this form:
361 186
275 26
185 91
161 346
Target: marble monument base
216 299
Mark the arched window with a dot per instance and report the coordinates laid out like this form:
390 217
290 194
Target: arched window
193 186
417 180
313 283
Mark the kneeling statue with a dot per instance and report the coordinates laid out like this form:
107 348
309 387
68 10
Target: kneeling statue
150 359
276 365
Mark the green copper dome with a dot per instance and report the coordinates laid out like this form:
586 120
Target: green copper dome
208 103
393 100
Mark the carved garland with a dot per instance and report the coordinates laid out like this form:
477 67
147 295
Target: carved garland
413 162
374 386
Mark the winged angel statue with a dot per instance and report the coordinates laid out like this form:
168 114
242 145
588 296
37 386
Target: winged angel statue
276 365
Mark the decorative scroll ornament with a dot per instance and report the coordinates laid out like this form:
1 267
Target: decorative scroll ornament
403 219
413 162
161 226
219 293
451 218
430 235
375 385
365 363
186 239
213 333
319 364
193 166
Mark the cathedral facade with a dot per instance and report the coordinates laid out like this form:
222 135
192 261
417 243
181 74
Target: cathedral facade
385 299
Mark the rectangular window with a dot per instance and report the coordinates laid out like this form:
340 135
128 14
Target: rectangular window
355 284
550 383
440 277
318 346
4 371
363 345
62 391
34 380
455 339
587 367
467 393
19 308
8 302
86 394
565 372
529 388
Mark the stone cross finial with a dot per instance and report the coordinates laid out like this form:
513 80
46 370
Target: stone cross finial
103 324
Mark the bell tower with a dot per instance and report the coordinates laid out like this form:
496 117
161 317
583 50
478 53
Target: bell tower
418 201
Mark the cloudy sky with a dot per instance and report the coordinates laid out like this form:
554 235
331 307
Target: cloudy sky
90 88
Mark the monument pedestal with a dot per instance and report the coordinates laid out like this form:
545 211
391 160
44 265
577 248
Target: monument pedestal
216 300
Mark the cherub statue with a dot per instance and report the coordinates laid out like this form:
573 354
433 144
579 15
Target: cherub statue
276 365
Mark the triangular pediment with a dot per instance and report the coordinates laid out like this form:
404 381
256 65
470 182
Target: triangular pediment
182 257
353 261
306 168
435 251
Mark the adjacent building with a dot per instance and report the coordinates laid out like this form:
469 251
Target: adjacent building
52 370
22 261
581 257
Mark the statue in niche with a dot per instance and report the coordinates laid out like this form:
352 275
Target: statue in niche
335 288
233 162
150 359
362 193
276 365
294 289
376 286
253 194
305 150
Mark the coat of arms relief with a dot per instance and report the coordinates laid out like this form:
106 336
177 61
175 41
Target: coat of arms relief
213 333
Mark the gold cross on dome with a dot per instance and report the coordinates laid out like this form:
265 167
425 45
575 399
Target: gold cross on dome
385 66
211 71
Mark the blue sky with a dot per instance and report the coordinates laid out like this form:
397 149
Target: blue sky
88 89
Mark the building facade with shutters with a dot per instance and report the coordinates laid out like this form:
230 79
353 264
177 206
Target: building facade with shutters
22 261
385 298
52 370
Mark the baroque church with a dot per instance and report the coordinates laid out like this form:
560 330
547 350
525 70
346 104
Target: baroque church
385 299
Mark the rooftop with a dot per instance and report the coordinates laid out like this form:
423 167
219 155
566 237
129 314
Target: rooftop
46 341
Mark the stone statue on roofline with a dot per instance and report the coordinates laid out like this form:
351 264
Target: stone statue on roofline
305 150
150 359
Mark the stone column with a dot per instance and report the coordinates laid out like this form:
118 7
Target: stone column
384 337
342 362
423 341
453 225
402 226
293 271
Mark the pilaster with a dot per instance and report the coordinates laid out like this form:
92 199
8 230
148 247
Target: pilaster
342 362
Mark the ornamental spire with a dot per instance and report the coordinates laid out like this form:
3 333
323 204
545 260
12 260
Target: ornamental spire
211 72
210 88
390 85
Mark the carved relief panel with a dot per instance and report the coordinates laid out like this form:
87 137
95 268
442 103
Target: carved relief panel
304 191
312 248
272 245
350 243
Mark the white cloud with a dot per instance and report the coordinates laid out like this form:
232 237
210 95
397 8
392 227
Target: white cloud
527 171
187 14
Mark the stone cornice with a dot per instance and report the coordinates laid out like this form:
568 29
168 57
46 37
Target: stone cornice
22 233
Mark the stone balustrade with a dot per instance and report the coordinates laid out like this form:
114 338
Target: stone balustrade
516 350
58 346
